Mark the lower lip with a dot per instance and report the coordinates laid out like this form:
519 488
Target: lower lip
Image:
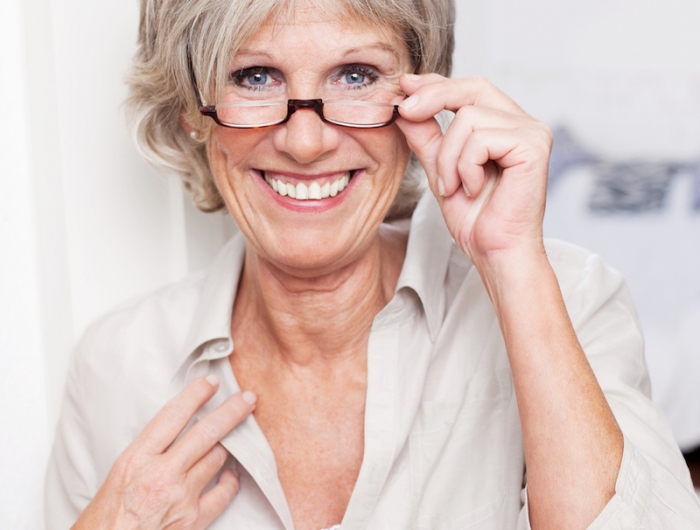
309 205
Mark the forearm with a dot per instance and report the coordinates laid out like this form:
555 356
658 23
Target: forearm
573 445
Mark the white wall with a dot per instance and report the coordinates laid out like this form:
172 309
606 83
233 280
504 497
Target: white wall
85 224
623 77
23 420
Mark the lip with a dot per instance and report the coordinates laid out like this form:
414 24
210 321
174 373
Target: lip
295 178
308 206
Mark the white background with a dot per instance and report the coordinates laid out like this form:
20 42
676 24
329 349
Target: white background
85 224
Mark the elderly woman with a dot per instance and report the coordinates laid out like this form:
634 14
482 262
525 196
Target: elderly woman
360 355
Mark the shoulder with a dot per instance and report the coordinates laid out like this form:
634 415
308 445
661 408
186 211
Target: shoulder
155 323
123 366
120 375
583 276
587 282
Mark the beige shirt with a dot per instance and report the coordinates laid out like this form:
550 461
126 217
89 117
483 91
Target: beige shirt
443 447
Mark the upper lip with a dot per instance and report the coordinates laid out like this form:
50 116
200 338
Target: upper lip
304 176
294 176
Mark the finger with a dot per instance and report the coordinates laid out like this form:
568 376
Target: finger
424 140
215 501
431 93
467 121
508 148
210 429
208 466
168 423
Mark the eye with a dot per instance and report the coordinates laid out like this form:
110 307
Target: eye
255 78
354 78
258 78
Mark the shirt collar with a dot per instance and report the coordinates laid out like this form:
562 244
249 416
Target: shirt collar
424 270
427 258
212 317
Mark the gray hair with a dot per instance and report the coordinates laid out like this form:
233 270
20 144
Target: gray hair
161 92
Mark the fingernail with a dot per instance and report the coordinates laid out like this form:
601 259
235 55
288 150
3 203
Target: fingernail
412 77
466 191
249 397
441 186
212 379
410 102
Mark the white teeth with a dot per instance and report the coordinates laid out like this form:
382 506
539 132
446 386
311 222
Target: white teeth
302 192
334 188
312 191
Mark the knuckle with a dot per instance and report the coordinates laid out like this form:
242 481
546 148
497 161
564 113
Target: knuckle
174 413
126 466
220 453
208 429
544 137
161 484
228 490
466 113
190 516
481 82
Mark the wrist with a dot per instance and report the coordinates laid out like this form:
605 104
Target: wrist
507 272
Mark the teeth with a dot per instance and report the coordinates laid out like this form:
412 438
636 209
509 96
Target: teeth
313 191
302 192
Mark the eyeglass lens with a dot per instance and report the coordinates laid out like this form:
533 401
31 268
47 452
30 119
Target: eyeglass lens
261 114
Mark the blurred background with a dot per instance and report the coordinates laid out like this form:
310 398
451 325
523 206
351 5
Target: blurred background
86 224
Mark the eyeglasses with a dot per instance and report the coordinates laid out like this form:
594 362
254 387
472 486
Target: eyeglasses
358 114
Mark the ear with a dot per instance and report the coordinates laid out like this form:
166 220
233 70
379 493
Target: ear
185 124
191 131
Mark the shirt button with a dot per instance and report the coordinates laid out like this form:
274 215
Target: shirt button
221 347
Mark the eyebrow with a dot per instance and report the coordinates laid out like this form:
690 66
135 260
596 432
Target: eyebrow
255 53
381 46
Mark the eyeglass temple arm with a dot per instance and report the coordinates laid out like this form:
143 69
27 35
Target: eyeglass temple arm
207 110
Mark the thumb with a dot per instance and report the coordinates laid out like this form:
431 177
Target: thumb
424 139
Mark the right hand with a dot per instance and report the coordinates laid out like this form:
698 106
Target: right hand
156 484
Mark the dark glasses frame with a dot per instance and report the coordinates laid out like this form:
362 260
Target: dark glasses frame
293 105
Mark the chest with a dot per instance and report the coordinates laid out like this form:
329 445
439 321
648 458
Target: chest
315 429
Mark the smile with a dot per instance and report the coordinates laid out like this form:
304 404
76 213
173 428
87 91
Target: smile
310 190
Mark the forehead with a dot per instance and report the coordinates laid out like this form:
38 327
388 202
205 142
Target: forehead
317 33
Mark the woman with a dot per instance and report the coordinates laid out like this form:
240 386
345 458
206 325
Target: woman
398 374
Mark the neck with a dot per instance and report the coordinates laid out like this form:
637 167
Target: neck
316 320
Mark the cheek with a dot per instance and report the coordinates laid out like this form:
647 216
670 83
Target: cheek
225 150
395 155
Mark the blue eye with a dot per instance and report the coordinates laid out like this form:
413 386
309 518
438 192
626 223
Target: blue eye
255 78
354 78
258 78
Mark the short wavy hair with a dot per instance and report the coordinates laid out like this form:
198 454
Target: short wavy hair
161 92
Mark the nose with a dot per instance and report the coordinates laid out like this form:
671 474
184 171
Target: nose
305 138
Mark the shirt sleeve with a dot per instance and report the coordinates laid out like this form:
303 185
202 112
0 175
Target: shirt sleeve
642 500
653 489
70 478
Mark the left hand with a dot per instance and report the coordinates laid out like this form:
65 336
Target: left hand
493 149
